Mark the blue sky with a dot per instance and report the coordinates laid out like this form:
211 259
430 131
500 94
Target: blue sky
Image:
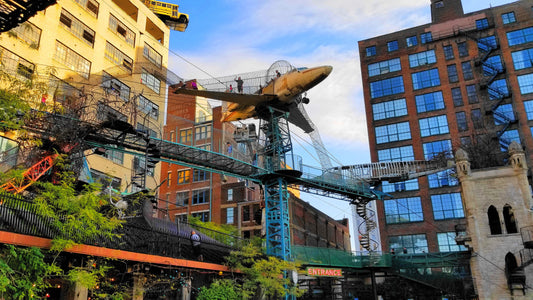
236 36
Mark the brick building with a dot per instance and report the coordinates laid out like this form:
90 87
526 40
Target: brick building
459 81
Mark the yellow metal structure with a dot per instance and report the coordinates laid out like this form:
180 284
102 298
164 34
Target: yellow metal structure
169 13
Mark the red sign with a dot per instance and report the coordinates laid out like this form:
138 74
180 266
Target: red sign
322 272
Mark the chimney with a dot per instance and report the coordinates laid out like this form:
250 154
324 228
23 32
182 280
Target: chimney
446 10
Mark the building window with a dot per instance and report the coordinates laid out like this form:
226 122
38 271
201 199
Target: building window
230 194
122 30
246 213
115 156
393 132
371 51
182 198
118 57
206 147
411 41
494 221
476 118
387 87
528 105
14 64
200 196
422 58
447 206
113 86
105 112
409 185
521 36
403 210
152 55
487 44
498 89
448 52
508 137
148 107
439 4
434 149
91 6
522 59
392 46
186 136
106 180
429 102
457 97
425 79
150 81
183 176
471 94
525 82
467 70
447 242
509 219
433 126
384 67
452 73
482 24
416 243
503 114
442 179
72 60
425 37
230 215
146 130
463 50
76 27
492 65
200 175
404 153
202 132
28 33
508 18
389 109
201 215
462 124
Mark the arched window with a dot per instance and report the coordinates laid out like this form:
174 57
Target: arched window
510 263
494 221
509 219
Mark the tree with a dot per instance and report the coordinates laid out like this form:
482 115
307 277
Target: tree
221 289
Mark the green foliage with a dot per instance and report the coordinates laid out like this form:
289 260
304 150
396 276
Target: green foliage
220 289
12 108
224 228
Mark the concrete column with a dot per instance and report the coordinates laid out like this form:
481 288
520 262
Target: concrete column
138 286
77 292
186 290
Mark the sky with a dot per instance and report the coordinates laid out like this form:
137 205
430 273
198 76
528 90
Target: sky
227 37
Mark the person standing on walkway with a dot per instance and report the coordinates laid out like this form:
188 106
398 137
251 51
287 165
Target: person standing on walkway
240 83
196 246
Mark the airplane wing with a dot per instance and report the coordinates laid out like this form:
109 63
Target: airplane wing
297 118
244 99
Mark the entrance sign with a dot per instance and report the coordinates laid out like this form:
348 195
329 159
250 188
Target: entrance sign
323 272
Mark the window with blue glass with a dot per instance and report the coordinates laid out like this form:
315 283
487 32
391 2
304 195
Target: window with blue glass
457 97
462 125
403 210
200 175
393 133
482 24
520 36
453 76
508 18
404 153
393 187
487 44
371 51
476 118
492 65
384 67
528 105
433 126
447 206
422 58
425 79
387 87
462 48
425 37
429 102
447 242
411 41
503 114
389 109
522 59
498 89
200 196
508 137
436 148
525 82
415 243
442 179
448 52
471 94
392 46
467 70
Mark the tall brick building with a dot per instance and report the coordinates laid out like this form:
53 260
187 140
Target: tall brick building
460 81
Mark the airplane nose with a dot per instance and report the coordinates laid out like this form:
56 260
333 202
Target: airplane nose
327 70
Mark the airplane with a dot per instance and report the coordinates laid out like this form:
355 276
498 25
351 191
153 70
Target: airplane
283 93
